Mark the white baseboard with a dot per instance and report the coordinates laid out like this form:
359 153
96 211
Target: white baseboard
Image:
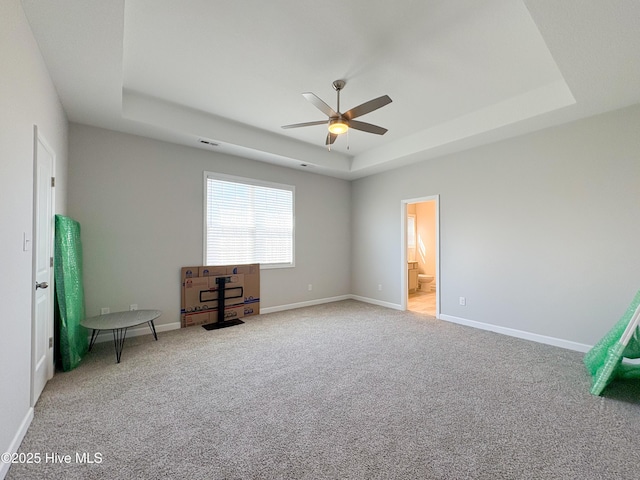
17 440
310 303
107 336
373 301
534 337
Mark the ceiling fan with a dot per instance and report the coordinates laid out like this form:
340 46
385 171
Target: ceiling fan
339 123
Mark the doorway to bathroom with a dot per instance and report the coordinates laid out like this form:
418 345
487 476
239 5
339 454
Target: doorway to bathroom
421 255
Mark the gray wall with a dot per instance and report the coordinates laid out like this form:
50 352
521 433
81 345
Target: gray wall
140 204
540 233
27 98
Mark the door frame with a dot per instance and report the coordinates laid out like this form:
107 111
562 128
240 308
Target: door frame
38 138
404 279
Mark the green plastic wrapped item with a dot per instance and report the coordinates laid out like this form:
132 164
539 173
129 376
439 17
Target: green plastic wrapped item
69 292
604 360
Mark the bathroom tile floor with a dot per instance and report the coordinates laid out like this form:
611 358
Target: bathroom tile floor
422 302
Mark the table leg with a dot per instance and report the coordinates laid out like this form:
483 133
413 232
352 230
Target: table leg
153 329
94 335
119 334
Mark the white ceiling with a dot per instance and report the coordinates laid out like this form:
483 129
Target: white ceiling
461 73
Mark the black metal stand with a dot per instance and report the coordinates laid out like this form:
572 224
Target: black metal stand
225 324
119 335
153 329
222 288
94 335
221 322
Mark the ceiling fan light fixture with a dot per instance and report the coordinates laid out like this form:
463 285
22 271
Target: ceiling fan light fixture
339 123
338 126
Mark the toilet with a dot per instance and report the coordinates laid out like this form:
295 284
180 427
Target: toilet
424 280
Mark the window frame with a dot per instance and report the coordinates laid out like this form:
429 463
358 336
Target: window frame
254 182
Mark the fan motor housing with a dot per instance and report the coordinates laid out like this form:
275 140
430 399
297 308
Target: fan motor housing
339 84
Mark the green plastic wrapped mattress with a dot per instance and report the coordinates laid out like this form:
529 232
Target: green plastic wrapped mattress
604 360
69 292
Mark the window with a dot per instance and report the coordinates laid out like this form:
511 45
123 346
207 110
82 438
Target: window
248 221
411 231
411 237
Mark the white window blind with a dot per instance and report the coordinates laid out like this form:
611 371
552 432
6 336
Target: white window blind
248 221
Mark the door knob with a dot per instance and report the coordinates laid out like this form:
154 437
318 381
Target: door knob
41 285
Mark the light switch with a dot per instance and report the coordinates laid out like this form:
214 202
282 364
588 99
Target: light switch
26 242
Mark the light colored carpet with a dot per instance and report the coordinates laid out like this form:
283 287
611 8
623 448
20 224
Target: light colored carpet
337 391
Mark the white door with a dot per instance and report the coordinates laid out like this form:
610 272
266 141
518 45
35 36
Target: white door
42 322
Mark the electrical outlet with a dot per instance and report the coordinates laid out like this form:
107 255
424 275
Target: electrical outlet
310 287
463 301
379 287
104 310
133 306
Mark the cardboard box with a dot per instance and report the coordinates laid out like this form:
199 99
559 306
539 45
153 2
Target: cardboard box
189 272
251 274
213 271
199 292
190 319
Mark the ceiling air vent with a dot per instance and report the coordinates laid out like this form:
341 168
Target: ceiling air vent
209 142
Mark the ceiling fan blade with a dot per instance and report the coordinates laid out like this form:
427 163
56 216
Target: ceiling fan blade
306 124
320 105
331 137
367 127
367 107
